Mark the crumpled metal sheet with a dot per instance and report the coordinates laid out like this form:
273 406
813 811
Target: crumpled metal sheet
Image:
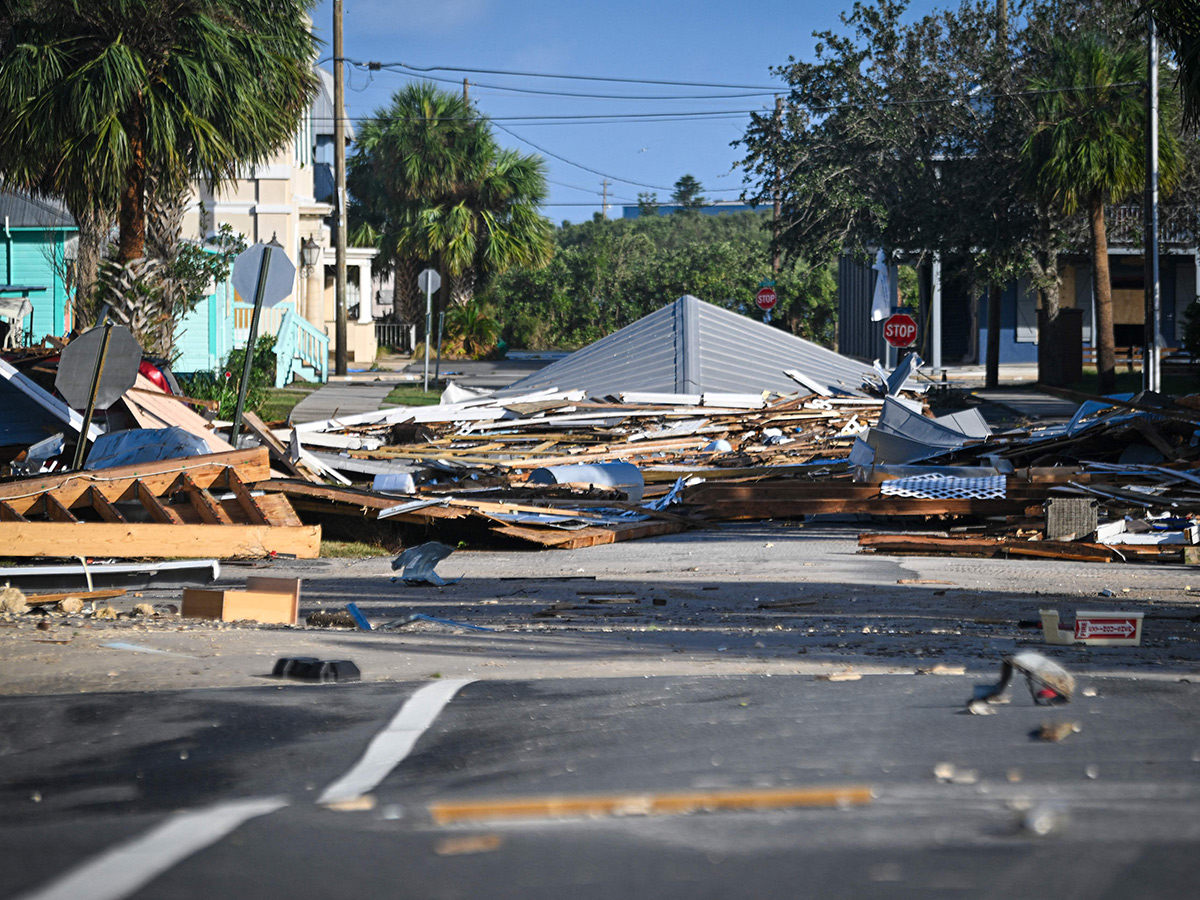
415 564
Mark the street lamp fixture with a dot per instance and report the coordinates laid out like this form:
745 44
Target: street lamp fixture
309 253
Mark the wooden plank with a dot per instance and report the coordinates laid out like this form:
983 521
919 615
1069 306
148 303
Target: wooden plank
278 509
882 506
587 537
245 500
158 510
972 546
8 514
40 599
56 512
153 408
205 504
97 501
277 449
117 483
157 541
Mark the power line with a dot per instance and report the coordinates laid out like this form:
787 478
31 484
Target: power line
560 158
602 78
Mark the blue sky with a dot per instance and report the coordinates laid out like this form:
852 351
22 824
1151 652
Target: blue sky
664 40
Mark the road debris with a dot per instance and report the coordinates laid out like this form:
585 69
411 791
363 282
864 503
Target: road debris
1048 682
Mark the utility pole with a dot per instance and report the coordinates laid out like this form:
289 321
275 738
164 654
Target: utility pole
466 93
1151 360
339 175
604 200
775 254
991 376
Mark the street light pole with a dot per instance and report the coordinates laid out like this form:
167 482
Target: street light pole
339 174
1151 360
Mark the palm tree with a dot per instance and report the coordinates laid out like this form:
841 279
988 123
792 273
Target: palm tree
1087 149
432 187
97 94
406 156
1179 23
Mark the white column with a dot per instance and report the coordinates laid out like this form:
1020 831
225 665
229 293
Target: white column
365 298
314 294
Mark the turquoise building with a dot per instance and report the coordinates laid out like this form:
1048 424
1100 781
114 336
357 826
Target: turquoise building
37 239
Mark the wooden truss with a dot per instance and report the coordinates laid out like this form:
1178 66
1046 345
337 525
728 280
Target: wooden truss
193 508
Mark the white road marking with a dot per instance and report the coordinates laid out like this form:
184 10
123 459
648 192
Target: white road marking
128 867
388 748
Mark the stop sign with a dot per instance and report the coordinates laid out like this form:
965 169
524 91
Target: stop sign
900 330
765 298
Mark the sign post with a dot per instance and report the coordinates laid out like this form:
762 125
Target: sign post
265 273
900 330
95 370
429 281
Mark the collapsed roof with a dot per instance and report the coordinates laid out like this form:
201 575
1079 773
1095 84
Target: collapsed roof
693 347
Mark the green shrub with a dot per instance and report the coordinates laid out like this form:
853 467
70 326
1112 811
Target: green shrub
222 385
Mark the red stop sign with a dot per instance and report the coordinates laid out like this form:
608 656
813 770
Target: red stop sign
900 330
765 298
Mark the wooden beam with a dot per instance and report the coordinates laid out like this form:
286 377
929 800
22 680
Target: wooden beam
205 504
56 512
116 483
156 541
158 510
981 546
244 498
8 514
100 504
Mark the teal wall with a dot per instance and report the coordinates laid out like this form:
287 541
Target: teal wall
34 256
204 337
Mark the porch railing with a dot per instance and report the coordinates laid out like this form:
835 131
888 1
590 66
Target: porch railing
297 341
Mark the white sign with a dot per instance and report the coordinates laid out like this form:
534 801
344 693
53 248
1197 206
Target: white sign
429 281
281 273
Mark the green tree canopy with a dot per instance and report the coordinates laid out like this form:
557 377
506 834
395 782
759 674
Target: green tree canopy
606 274
1087 149
97 94
687 193
432 187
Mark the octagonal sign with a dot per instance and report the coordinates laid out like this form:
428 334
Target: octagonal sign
78 364
900 330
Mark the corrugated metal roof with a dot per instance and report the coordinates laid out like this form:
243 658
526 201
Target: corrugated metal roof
691 346
25 211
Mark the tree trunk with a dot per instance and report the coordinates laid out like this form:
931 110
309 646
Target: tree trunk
1106 362
93 230
462 287
132 216
408 303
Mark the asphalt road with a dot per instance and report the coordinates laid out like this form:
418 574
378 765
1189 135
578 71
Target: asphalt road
84 775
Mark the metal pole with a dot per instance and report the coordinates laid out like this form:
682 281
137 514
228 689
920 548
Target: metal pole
339 174
251 340
935 310
437 370
428 325
91 404
1151 358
